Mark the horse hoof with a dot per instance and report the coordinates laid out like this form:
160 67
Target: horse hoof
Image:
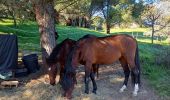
134 94
87 92
121 90
94 92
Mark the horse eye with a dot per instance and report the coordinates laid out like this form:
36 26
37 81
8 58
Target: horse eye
49 69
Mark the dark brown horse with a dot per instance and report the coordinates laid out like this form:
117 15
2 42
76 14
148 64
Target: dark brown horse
59 55
102 50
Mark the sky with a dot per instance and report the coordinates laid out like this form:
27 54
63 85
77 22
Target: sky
137 1
148 1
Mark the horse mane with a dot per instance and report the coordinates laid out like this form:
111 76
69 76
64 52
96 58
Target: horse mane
68 67
55 51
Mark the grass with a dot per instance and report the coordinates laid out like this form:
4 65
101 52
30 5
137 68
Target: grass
74 32
158 75
28 37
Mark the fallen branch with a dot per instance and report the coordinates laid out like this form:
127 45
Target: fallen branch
9 83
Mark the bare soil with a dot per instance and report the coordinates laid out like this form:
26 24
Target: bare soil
34 87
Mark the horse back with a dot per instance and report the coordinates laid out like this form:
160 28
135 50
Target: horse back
126 44
106 50
66 46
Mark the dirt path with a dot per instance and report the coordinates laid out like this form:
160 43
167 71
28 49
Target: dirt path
109 82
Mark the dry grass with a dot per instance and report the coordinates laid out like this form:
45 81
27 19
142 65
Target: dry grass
110 79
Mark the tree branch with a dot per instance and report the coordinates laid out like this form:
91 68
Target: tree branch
75 1
163 26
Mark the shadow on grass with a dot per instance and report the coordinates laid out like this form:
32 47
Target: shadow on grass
129 33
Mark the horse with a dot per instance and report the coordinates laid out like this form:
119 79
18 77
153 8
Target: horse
102 50
59 55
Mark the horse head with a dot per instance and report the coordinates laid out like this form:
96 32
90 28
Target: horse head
68 81
52 71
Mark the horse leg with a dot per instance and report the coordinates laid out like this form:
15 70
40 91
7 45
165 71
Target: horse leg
132 78
126 72
61 73
92 76
136 80
61 77
87 77
74 78
135 76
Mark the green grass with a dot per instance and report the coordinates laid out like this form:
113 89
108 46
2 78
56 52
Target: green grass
74 32
28 36
158 75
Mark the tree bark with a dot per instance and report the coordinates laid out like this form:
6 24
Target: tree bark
108 18
44 10
11 10
152 33
57 16
107 27
88 22
14 19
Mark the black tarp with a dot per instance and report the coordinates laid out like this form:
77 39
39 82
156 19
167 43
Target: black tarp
8 52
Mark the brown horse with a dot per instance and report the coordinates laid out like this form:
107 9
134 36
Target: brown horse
102 50
59 55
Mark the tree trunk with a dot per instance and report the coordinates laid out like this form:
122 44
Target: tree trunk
11 10
80 21
44 10
108 18
69 22
152 33
107 27
57 16
88 22
83 21
14 19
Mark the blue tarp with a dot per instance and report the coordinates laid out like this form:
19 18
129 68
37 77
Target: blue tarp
8 53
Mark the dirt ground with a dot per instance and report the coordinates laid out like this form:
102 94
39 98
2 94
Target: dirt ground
34 87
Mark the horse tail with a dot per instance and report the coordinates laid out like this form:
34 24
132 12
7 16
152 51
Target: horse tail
137 63
97 70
